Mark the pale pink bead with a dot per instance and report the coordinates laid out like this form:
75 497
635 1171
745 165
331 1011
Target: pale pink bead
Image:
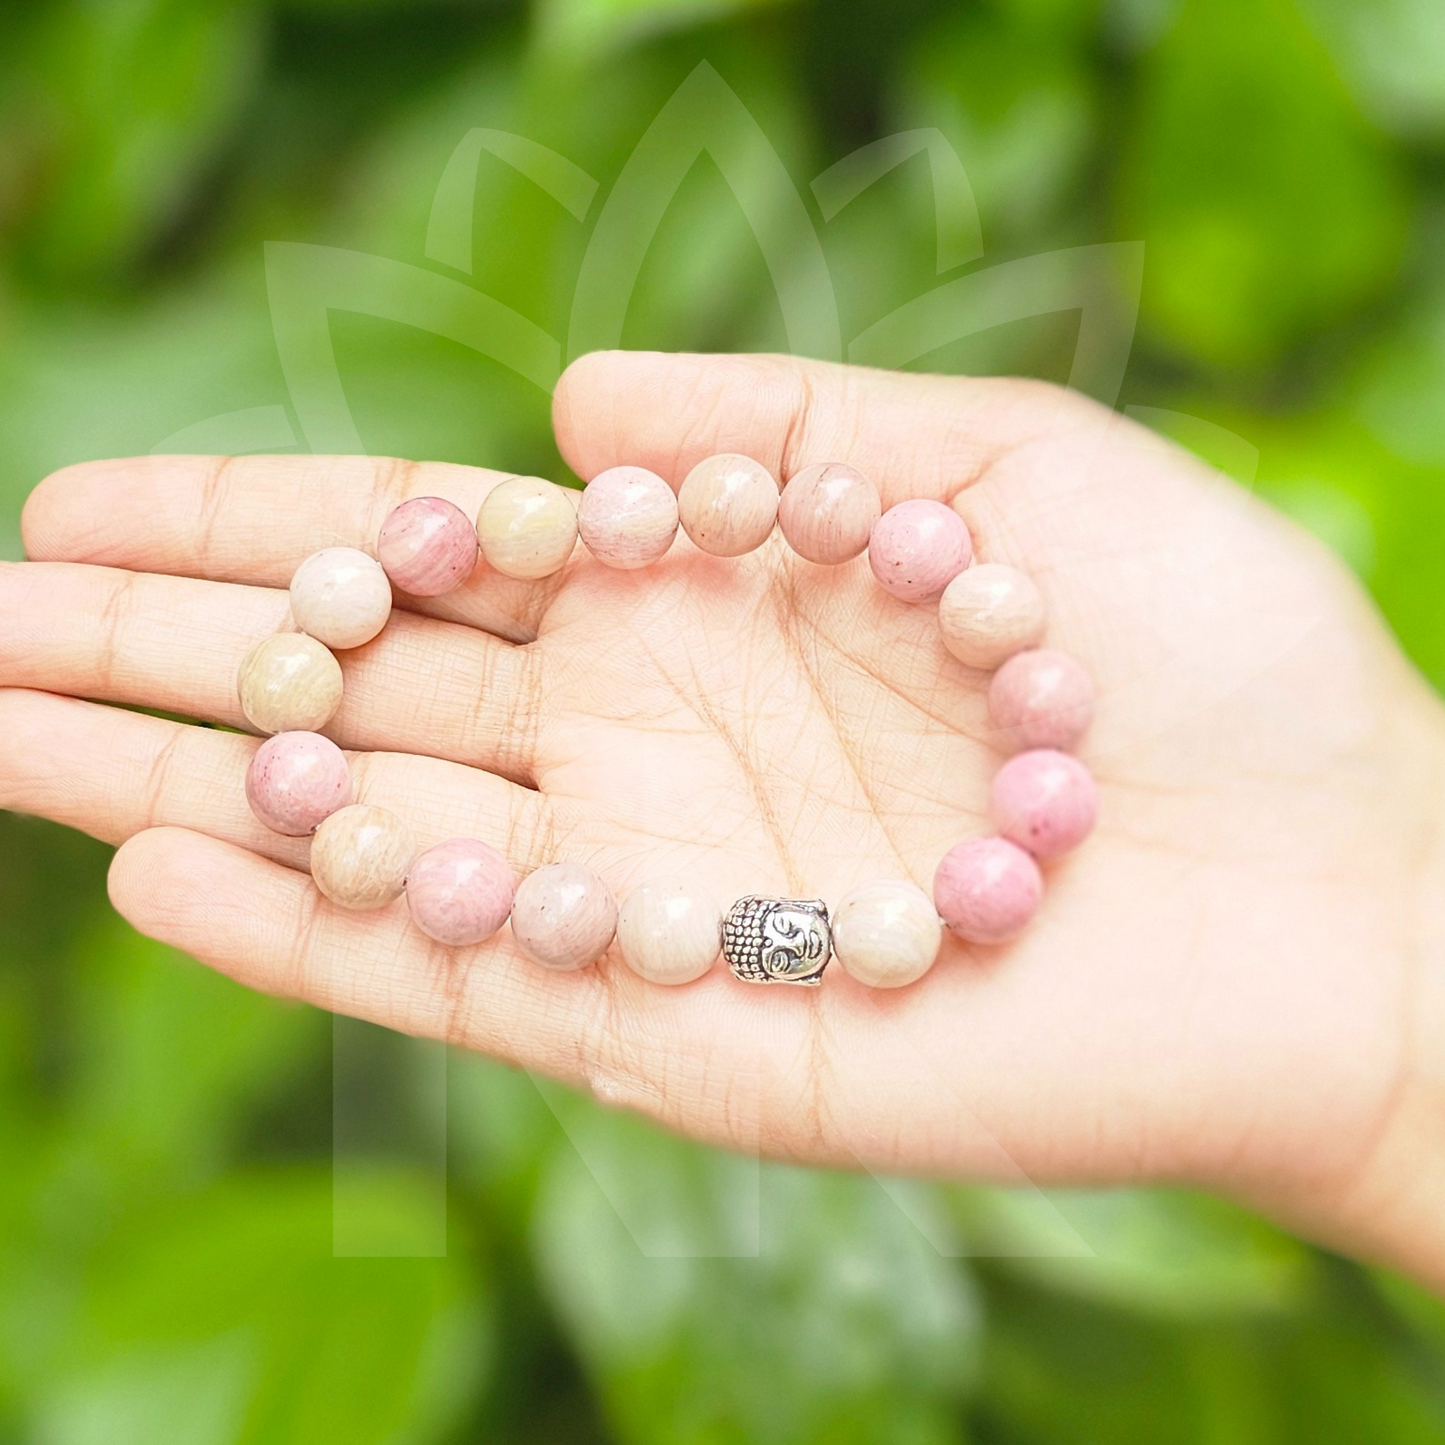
460 892
563 916
990 612
427 546
827 512
987 890
627 517
728 504
1041 699
1045 801
341 597
296 781
917 548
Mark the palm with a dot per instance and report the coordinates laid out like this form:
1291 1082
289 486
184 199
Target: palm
1213 988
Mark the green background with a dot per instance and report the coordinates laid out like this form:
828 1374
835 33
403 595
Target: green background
166 1140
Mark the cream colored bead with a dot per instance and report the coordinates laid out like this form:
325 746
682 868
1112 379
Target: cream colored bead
289 683
728 504
341 596
669 930
360 856
886 934
527 527
990 612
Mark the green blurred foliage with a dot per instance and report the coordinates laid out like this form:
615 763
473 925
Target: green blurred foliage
167 1190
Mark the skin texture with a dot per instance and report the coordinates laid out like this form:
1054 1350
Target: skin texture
1236 983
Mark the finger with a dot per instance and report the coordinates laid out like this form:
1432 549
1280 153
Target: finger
914 435
254 519
176 644
113 774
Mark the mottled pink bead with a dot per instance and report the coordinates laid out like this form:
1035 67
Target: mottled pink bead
827 512
627 517
1041 699
427 546
1045 801
987 890
563 916
460 892
296 781
917 548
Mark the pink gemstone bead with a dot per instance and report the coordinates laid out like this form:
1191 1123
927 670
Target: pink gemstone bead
563 916
988 613
1041 699
296 781
460 892
728 504
917 548
427 546
627 517
1045 801
827 512
987 889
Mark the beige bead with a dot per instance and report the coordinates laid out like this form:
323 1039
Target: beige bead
289 683
886 934
990 612
828 511
341 597
527 527
728 504
360 856
563 916
669 930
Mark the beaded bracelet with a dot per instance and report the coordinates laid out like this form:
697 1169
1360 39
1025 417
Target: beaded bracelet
885 934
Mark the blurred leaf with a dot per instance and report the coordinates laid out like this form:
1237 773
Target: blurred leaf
844 1325
1159 1253
231 1307
589 27
1402 379
1268 207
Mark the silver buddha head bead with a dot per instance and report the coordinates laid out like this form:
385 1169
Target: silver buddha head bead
777 940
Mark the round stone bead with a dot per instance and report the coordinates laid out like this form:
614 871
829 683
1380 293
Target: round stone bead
917 548
527 527
987 890
669 930
827 512
341 597
627 517
460 892
427 547
296 781
289 683
990 612
886 934
728 504
360 857
563 916
1045 801
1041 699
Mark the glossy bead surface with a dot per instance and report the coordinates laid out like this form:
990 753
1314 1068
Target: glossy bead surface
990 612
1041 699
427 547
828 511
341 597
917 548
987 890
296 781
563 916
527 527
669 930
460 892
728 504
289 683
360 857
886 934
627 517
1045 801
